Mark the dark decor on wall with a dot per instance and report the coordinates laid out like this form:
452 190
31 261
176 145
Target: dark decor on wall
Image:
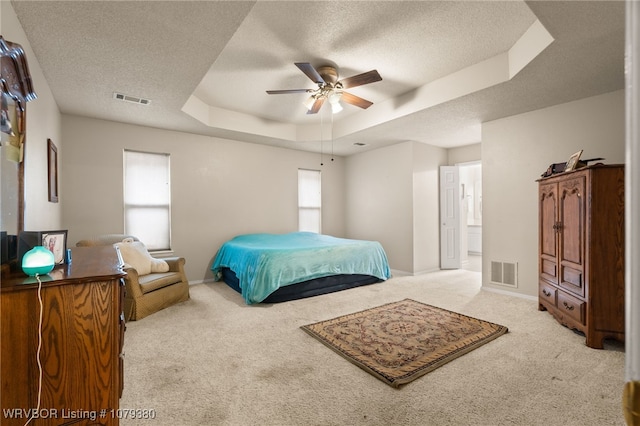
4 247
52 161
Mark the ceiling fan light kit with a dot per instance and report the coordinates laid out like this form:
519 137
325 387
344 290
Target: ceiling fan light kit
330 88
309 102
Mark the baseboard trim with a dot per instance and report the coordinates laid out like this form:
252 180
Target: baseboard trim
399 273
509 293
204 281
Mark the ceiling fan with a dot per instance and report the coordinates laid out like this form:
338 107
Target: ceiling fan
330 88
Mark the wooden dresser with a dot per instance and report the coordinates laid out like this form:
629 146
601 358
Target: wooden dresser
581 251
82 342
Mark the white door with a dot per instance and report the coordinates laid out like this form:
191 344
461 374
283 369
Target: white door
449 217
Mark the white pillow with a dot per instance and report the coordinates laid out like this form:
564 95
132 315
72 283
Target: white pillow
135 254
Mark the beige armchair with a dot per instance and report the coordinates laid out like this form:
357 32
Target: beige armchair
146 294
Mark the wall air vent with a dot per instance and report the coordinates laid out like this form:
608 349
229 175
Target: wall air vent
504 273
132 99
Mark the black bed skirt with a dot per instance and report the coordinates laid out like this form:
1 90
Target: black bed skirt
308 288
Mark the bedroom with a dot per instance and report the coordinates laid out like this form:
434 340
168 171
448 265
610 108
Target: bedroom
363 192
90 181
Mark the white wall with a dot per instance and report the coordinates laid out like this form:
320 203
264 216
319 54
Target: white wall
392 197
427 160
43 122
379 201
220 188
464 154
516 151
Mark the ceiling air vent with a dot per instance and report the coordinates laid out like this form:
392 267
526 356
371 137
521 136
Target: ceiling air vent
133 99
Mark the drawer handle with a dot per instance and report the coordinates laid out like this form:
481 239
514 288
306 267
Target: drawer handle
567 306
546 292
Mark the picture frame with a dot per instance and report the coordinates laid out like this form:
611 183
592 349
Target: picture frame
573 161
56 242
52 161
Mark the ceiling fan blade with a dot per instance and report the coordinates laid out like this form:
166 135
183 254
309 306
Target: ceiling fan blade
280 92
355 100
316 106
360 79
310 71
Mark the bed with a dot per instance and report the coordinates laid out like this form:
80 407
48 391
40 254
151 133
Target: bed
270 268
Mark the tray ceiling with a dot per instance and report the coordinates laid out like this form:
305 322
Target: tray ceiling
206 65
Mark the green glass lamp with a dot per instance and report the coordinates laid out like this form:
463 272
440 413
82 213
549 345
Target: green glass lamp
38 261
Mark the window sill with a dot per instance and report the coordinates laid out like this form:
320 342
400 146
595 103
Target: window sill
162 253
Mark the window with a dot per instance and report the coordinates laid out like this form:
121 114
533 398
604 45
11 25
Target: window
309 201
147 198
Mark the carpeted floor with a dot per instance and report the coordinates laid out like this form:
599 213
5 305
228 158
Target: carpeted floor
215 361
401 341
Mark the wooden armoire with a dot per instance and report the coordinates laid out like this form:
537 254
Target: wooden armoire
581 251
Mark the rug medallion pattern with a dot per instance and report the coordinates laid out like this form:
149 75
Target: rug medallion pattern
401 341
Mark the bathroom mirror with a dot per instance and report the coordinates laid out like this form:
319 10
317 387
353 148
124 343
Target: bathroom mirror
10 170
16 91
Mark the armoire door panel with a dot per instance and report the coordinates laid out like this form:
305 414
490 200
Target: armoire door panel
548 221
572 280
572 220
549 270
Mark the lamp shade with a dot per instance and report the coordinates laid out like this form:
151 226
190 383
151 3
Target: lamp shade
336 107
334 100
38 261
308 104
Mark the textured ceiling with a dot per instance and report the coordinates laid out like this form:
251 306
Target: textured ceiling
206 65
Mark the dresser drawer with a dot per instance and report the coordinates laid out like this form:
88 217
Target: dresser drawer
547 293
572 307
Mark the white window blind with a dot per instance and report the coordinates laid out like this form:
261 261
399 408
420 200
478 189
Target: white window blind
147 198
309 201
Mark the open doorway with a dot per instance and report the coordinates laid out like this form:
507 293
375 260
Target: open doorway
471 215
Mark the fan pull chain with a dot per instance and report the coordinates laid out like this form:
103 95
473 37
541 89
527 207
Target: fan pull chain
332 136
321 138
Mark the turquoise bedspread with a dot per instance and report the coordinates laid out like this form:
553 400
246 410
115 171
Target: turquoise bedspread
265 262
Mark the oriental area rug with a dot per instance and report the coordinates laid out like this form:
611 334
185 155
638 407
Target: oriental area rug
401 341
